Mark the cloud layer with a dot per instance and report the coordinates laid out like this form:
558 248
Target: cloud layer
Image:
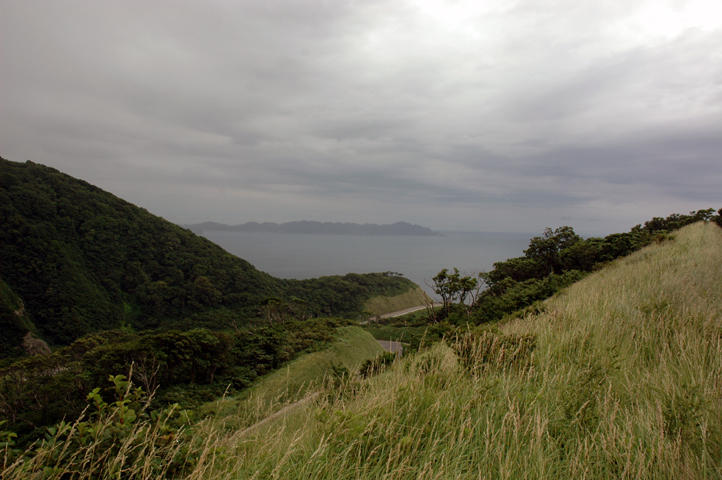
473 115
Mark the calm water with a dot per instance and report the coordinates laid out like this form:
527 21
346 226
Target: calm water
418 258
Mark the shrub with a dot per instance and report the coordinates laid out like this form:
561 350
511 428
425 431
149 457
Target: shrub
376 365
118 439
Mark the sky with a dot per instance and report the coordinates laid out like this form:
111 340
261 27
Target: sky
480 115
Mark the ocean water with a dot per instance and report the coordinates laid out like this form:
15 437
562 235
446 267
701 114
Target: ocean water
418 258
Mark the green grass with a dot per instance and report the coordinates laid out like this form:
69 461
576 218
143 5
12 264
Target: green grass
617 376
413 328
292 382
352 346
380 305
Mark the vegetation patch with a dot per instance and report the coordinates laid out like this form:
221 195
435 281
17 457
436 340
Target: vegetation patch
187 367
350 348
376 365
479 352
553 261
380 305
83 260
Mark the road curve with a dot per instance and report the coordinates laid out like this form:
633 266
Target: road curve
399 313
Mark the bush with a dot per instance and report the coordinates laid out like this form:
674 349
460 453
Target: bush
188 367
117 439
512 296
376 365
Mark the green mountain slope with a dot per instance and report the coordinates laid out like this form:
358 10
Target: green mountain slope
14 321
82 260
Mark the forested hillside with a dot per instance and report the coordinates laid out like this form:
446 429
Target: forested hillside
81 260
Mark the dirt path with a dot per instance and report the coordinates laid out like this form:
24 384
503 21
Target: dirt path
281 412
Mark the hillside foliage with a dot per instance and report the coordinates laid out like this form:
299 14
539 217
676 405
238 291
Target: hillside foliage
178 366
553 261
82 260
557 259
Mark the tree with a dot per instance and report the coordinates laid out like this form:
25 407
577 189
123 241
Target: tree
452 286
464 286
444 286
204 292
518 269
583 255
272 309
546 249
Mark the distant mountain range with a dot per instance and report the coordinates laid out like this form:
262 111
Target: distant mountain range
305 226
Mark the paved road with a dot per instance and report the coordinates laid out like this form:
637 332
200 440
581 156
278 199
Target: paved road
398 313
391 346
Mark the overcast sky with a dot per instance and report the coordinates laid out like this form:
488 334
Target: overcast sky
479 115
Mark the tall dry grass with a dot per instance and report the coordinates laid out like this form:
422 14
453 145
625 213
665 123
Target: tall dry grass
620 376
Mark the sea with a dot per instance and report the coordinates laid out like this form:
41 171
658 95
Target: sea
417 258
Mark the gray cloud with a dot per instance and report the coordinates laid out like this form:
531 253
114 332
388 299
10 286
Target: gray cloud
468 115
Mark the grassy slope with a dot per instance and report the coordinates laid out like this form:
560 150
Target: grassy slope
293 381
380 305
626 383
